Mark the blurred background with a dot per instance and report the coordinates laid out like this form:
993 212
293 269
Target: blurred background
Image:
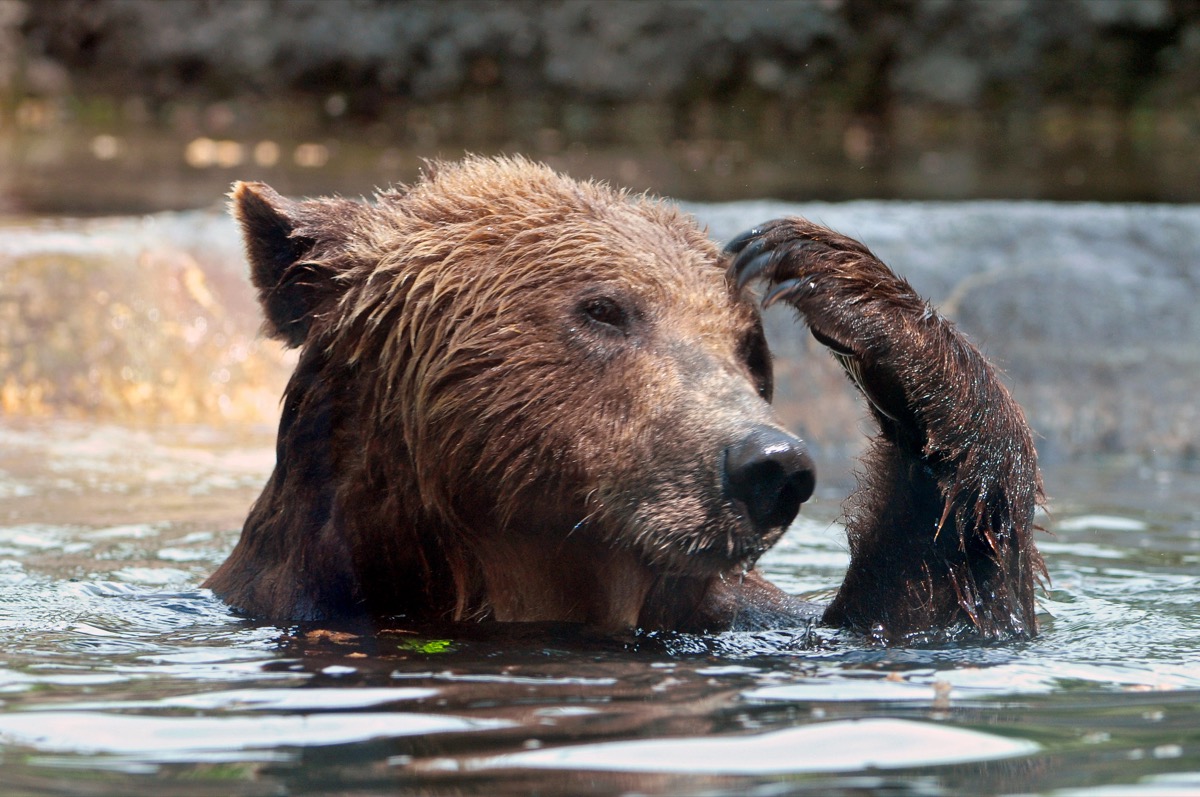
112 106
965 140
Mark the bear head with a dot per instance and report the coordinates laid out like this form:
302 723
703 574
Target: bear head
519 396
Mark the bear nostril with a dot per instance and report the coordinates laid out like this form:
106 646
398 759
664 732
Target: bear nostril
770 472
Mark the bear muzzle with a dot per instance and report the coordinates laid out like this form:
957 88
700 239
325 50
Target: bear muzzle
770 474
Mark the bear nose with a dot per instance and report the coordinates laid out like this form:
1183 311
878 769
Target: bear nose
771 473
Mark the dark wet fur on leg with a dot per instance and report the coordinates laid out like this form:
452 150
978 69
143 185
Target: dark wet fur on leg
941 527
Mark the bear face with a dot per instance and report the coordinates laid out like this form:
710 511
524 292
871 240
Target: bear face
519 397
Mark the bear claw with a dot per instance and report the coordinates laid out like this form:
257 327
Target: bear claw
762 264
739 243
789 290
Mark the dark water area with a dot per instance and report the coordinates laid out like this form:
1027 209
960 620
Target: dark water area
111 157
120 676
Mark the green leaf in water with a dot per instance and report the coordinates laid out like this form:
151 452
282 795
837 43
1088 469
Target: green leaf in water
426 645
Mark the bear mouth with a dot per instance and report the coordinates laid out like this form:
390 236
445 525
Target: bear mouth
738 559
729 546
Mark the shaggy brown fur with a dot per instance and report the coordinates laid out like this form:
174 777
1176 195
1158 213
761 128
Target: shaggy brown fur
522 397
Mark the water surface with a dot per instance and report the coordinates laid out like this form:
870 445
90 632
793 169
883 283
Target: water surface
119 675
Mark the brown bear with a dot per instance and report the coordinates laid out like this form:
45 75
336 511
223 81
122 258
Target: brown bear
526 398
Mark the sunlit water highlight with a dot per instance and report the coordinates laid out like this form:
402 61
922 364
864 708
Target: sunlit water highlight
120 676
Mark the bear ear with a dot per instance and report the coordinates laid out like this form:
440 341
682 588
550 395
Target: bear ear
288 288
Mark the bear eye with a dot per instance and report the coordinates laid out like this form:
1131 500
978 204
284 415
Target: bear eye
605 310
757 356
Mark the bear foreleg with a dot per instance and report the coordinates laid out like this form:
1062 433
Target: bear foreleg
940 528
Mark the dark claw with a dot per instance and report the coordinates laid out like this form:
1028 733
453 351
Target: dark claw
753 250
837 347
788 289
754 263
739 243
756 268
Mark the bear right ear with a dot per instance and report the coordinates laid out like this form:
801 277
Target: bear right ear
289 288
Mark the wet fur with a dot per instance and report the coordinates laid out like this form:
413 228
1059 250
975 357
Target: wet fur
454 446
941 527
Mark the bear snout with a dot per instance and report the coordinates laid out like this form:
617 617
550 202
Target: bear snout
770 473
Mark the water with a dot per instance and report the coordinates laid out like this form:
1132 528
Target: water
98 156
119 676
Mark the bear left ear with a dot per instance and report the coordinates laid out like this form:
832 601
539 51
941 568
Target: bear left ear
290 289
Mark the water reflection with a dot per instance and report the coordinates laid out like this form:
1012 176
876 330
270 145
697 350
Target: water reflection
820 747
148 739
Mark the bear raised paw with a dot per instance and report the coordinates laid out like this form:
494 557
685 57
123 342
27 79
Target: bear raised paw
526 398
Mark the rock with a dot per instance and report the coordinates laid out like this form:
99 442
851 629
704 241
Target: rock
136 320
